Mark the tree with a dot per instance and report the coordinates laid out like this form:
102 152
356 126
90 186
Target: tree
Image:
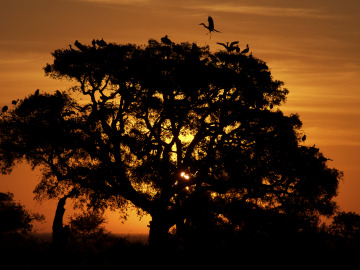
15 219
88 225
36 130
346 225
345 232
167 128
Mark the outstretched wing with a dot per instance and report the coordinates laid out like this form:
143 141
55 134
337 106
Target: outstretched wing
211 23
233 43
223 44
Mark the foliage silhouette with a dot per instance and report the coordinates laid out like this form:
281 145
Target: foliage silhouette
15 219
346 224
345 229
88 224
148 115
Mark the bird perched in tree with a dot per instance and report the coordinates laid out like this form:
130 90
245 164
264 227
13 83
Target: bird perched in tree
166 40
5 108
210 27
101 43
14 102
58 93
37 92
303 138
80 46
232 47
246 50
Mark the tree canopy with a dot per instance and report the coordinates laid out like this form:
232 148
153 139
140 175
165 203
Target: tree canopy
173 129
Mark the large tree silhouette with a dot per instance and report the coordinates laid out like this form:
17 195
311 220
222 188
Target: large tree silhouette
173 129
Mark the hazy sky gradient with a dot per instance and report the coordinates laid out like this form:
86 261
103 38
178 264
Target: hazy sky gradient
311 45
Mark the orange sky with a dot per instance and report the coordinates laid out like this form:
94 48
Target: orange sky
311 45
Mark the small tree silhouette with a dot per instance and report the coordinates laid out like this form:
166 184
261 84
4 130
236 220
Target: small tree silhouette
88 225
15 219
346 225
173 130
345 230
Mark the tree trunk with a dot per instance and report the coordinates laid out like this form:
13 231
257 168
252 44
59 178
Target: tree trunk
60 233
159 232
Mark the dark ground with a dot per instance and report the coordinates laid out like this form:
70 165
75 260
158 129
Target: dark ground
117 252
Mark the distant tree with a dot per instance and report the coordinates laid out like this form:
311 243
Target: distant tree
14 217
88 232
90 224
346 225
174 130
345 232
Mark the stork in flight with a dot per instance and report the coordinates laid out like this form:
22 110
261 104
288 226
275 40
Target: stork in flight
232 47
210 27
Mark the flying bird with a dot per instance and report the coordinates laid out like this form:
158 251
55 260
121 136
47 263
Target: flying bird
210 27
246 50
166 40
232 47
